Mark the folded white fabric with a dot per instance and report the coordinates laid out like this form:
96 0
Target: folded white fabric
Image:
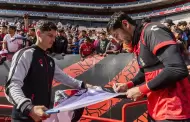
85 97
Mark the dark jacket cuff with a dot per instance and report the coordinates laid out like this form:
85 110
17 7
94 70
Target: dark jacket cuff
26 108
83 85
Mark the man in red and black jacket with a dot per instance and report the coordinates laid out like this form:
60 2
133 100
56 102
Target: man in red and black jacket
161 66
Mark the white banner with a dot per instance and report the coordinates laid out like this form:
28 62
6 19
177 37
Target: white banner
81 99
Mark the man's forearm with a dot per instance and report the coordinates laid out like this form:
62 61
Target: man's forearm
137 80
4 46
67 80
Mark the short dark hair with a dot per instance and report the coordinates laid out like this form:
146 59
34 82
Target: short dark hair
87 39
84 31
32 29
115 21
4 26
146 20
103 33
61 30
46 26
184 23
13 27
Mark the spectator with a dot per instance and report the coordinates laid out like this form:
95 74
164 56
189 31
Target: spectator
94 33
31 37
169 23
82 36
75 47
3 32
10 42
61 43
102 45
70 45
96 41
182 27
90 35
113 47
86 48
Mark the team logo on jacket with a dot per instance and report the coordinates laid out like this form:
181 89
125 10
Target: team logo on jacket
41 62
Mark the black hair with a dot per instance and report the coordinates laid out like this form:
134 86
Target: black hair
115 21
46 26
103 33
61 30
13 27
84 31
146 20
184 23
32 29
4 26
87 39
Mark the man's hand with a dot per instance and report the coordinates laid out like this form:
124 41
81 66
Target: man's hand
120 87
38 113
134 93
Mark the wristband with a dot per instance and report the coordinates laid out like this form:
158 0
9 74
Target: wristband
144 89
130 84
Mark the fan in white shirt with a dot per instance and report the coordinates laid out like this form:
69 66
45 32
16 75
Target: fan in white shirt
10 42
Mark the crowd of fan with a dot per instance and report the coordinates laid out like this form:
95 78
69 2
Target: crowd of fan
71 40
181 31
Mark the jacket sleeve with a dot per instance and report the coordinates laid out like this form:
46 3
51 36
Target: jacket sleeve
65 79
21 62
174 70
137 80
161 42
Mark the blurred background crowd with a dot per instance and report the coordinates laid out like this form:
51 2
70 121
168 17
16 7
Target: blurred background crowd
71 39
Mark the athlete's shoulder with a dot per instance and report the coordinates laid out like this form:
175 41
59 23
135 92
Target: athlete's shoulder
26 51
154 26
25 55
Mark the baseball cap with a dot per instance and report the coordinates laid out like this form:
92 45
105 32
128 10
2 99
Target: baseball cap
169 21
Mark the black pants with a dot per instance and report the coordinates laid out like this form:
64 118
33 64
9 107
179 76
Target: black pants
150 119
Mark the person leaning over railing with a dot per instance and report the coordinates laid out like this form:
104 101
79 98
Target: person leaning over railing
161 67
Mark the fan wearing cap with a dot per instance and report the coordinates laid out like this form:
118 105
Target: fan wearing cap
169 24
10 43
162 74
